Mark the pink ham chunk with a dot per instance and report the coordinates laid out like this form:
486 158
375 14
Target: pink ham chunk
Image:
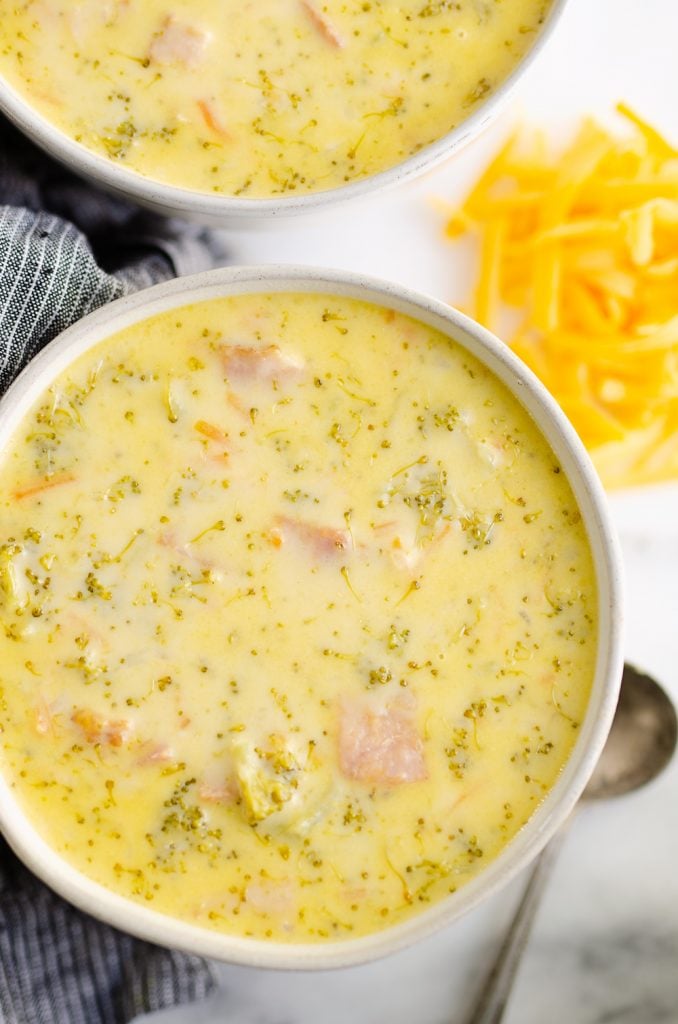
248 363
270 897
168 539
178 42
380 743
223 792
399 541
155 753
92 14
321 541
45 718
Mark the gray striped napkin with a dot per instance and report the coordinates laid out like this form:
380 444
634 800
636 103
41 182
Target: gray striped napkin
66 249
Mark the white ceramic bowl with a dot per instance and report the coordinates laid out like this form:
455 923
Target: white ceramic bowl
231 211
149 924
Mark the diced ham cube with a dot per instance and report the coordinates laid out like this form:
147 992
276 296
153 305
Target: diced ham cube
321 541
43 721
91 14
169 539
270 897
155 753
405 556
400 541
178 42
248 363
379 743
45 718
224 792
496 451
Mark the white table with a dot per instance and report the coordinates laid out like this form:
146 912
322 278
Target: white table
605 948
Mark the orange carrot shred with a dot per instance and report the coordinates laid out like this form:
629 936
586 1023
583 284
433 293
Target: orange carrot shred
210 431
323 25
43 485
212 121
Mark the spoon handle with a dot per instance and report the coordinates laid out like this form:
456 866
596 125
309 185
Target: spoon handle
491 1006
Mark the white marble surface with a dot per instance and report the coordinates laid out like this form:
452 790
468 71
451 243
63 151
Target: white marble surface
605 947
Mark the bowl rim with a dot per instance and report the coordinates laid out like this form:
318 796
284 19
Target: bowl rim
139 920
216 207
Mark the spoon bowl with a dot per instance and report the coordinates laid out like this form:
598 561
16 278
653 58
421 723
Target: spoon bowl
641 742
642 739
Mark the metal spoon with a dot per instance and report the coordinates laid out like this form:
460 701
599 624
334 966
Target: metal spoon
640 745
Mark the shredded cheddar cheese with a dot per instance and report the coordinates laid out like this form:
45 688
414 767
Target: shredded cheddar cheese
584 244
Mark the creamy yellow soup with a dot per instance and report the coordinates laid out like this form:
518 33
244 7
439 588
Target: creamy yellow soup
265 98
298 616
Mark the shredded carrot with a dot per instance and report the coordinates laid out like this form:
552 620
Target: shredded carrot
323 25
584 244
45 484
210 431
211 119
101 730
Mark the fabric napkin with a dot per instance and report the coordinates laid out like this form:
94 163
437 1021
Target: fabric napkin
66 248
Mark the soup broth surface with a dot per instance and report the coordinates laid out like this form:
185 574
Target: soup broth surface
297 615
261 99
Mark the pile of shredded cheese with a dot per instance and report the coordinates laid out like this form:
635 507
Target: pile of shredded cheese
584 246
